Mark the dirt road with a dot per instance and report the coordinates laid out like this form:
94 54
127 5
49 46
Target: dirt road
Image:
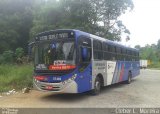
144 91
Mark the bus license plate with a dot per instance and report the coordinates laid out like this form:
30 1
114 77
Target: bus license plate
49 87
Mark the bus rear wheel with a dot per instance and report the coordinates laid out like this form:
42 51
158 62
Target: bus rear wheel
97 86
129 78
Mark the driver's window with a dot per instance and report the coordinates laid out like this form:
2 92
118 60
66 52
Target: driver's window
85 52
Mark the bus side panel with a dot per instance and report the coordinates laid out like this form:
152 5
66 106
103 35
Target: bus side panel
111 71
136 69
99 68
127 68
120 72
122 69
84 79
116 72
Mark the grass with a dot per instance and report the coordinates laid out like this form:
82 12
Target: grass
15 77
154 66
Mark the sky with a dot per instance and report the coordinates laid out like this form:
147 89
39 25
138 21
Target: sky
143 22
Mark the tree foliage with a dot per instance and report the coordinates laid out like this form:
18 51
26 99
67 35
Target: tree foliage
21 20
15 21
108 12
150 52
7 57
19 53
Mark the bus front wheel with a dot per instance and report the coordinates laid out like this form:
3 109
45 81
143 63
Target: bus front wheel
97 86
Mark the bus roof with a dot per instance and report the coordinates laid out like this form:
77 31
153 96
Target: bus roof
90 35
106 40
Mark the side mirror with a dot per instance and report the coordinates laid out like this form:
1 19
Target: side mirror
84 53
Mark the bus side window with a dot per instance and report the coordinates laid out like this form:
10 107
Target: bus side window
118 50
97 50
137 54
113 52
128 55
109 52
106 54
134 55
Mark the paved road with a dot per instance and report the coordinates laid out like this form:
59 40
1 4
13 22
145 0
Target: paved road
144 91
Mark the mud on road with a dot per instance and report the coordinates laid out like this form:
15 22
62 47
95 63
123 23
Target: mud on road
144 91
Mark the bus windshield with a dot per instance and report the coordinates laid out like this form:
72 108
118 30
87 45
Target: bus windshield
55 53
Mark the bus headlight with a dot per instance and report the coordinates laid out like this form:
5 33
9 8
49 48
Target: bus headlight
74 77
70 79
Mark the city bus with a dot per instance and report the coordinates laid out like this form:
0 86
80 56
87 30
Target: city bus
73 61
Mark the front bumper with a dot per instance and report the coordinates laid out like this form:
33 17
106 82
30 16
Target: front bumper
56 87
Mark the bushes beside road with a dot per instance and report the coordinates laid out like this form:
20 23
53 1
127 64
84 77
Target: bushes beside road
15 76
154 66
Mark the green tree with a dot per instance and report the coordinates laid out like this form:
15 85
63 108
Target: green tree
150 52
138 47
21 20
158 44
158 50
83 15
108 12
8 56
19 53
64 14
15 22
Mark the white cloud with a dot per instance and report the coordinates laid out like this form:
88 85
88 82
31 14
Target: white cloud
143 22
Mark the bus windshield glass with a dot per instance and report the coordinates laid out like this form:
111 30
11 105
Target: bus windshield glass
57 53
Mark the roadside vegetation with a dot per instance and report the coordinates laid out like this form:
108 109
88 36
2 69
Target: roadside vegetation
154 66
15 70
151 53
14 76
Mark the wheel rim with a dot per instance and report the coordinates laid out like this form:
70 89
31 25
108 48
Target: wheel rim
97 86
129 79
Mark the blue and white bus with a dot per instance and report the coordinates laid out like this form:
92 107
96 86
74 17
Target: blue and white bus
73 61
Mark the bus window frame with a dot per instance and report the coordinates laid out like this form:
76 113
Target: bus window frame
99 51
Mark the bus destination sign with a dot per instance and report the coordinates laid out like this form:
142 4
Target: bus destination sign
52 36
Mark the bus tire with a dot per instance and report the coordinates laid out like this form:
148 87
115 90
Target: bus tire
97 86
129 78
